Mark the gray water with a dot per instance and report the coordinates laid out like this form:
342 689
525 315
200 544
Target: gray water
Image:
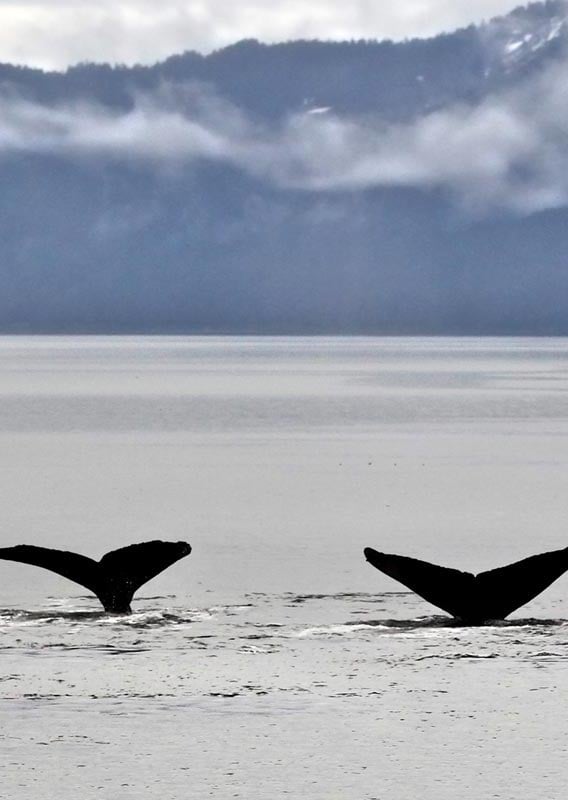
274 661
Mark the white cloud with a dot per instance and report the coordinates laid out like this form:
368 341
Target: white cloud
56 33
162 128
510 152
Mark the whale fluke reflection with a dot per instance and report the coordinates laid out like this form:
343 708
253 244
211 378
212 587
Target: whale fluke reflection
474 599
115 578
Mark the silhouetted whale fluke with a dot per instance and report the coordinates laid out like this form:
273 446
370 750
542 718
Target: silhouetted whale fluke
474 598
115 578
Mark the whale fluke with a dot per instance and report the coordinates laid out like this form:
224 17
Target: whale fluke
115 578
474 598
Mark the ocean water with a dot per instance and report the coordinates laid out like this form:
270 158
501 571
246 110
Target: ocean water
274 661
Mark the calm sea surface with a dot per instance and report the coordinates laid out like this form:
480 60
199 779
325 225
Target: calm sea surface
274 661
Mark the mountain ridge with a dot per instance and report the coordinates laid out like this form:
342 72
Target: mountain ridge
305 187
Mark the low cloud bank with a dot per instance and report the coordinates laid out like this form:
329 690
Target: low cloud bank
510 152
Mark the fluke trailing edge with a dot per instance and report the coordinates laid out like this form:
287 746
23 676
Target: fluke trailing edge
114 578
474 599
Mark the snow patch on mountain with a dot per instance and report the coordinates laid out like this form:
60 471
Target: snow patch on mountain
515 40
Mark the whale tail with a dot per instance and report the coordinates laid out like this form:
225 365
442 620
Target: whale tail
474 598
115 578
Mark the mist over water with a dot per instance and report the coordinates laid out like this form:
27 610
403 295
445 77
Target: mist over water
274 661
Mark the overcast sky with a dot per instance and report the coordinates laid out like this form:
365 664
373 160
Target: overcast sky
56 33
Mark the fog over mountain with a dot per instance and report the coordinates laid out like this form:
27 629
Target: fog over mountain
359 187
